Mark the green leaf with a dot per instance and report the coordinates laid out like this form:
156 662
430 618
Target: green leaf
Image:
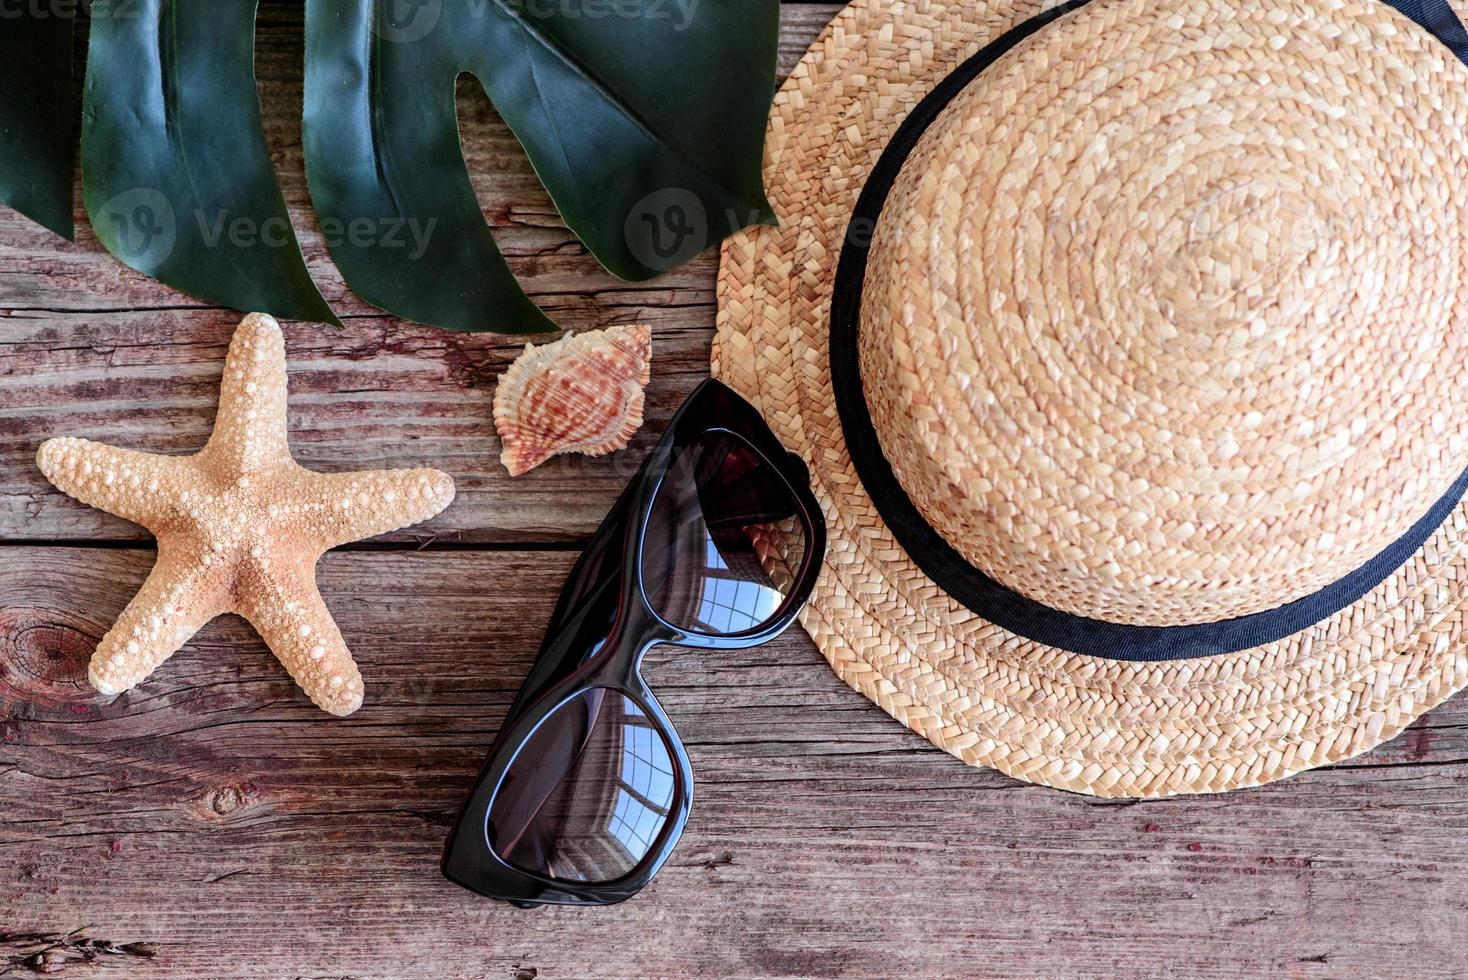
643 118
36 142
175 171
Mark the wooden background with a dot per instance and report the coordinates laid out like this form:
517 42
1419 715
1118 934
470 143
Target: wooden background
213 822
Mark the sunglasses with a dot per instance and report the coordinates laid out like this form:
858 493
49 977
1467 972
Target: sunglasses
714 545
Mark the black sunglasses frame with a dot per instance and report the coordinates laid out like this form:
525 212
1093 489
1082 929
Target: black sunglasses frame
581 653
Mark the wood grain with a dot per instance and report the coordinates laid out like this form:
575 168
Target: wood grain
214 823
215 816
113 355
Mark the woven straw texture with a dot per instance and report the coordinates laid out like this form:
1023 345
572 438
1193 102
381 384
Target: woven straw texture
1156 329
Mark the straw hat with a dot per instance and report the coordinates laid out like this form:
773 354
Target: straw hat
1124 342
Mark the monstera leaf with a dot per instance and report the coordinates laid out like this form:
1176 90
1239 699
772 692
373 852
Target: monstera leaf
643 118
35 118
176 175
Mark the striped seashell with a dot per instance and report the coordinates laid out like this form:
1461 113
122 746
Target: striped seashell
581 394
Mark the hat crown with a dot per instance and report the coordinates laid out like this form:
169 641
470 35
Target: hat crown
1168 332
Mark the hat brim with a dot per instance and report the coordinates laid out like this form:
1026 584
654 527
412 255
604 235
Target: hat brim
984 694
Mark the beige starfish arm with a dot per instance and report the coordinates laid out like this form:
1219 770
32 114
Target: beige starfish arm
179 596
292 619
250 429
136 486
343 507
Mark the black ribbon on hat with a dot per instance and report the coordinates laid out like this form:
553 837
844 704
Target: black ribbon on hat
938 559
1438 17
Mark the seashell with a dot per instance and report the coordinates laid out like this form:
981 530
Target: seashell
581 394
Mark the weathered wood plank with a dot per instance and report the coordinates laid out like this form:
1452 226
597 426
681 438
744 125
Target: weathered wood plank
90 348
214 823
216 816
372 395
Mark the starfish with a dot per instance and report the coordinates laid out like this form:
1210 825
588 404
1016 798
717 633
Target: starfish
240 527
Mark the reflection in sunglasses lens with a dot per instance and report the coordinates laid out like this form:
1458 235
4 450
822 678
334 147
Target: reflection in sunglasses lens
588 794
723 539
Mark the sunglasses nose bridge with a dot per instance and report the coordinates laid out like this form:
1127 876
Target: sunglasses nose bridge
618 662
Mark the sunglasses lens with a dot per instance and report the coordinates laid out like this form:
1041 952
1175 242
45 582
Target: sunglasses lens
588 794
724 540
